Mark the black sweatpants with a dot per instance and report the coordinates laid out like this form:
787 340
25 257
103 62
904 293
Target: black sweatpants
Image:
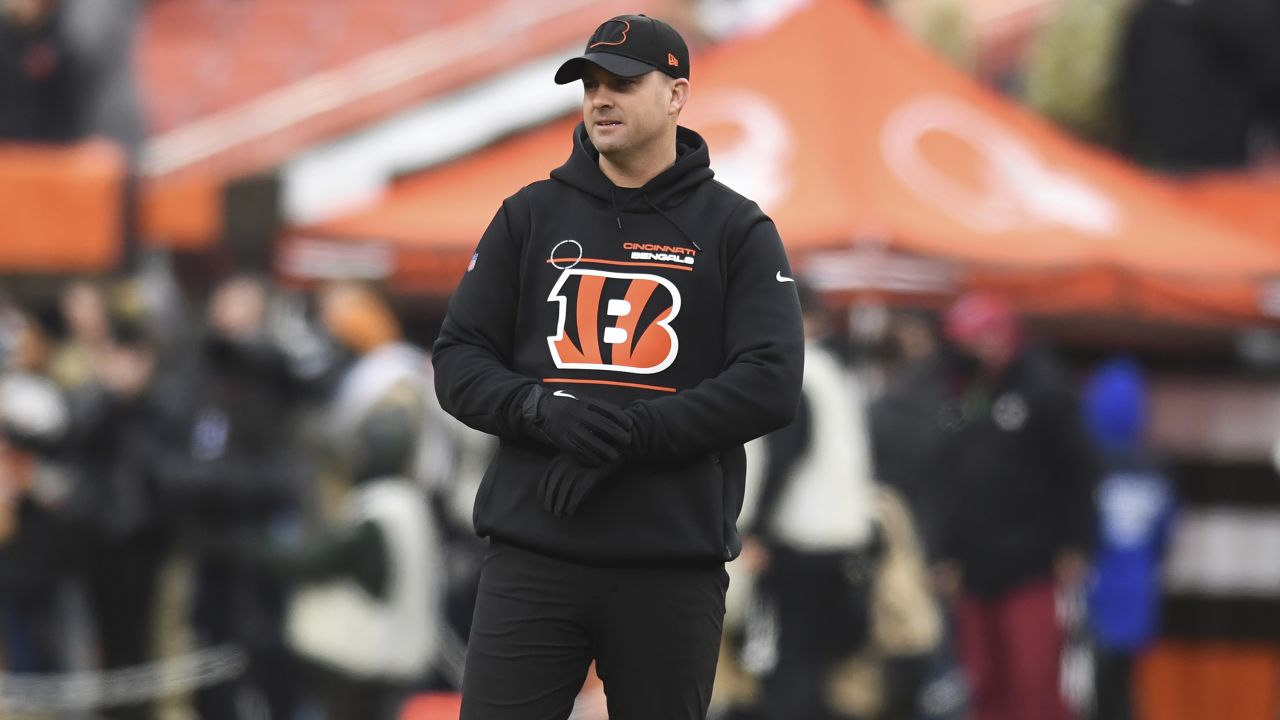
1113 685
539 622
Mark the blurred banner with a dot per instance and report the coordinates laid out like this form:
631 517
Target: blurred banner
851 135
61 207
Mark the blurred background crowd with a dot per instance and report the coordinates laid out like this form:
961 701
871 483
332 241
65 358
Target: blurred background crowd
1034 474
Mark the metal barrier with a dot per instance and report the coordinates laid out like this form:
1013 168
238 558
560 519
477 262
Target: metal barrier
97 689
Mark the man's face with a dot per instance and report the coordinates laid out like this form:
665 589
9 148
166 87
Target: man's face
627 116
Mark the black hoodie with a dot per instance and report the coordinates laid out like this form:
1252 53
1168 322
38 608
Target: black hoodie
673 301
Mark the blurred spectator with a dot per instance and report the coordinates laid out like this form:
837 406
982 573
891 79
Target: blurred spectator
905 435
811 534
1071 73
32 562
41 98
87 333
915 336
122 424
1015 483
905 630
238 471
452 467
1198 80
363 617
1136 510
906 442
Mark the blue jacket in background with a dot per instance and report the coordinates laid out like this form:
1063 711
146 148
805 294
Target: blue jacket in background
1136 510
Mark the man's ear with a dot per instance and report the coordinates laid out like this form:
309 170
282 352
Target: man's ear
679 96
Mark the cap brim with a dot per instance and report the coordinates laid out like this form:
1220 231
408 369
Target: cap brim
573 68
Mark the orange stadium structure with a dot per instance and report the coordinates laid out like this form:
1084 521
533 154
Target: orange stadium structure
63 207
857 141
233 89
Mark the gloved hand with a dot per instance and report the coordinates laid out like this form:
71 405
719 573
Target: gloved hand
591 431
567 482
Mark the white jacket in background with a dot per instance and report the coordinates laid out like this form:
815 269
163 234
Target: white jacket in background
827 503
340 625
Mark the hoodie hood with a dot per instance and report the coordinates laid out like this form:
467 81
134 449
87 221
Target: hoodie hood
663 192
1115 406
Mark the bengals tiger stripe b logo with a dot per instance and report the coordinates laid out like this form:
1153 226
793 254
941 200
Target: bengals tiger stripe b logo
614 321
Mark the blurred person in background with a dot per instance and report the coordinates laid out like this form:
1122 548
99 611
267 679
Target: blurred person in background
904 435
133 420
453 470
1198 83
1015 475
914 336
365 608
33 559
906 439
1072 65
812 533
238 471
41 95
1136 510
905 631
122 424
88 331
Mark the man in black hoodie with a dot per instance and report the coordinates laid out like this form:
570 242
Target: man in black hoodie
624 327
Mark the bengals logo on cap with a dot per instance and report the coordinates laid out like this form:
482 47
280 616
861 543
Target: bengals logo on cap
612 32
614 321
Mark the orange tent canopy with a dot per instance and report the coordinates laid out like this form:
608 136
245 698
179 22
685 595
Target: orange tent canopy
854 138
1247 202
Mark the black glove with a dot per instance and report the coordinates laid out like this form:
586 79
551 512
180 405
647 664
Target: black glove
593 432
567 482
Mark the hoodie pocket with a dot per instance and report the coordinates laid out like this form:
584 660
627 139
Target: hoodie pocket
667 510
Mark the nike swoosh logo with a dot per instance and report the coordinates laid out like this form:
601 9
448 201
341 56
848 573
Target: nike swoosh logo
782 278
561 393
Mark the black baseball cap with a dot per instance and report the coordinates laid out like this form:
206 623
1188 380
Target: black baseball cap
631 45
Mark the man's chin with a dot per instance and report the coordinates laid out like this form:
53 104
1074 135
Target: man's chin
604 145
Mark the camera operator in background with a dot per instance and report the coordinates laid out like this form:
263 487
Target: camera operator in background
364 608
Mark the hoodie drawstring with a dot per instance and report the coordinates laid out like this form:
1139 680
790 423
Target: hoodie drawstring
616 215
658 210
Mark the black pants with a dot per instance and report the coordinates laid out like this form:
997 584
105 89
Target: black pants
235 605
1113 685
539 622
822 606
122 584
